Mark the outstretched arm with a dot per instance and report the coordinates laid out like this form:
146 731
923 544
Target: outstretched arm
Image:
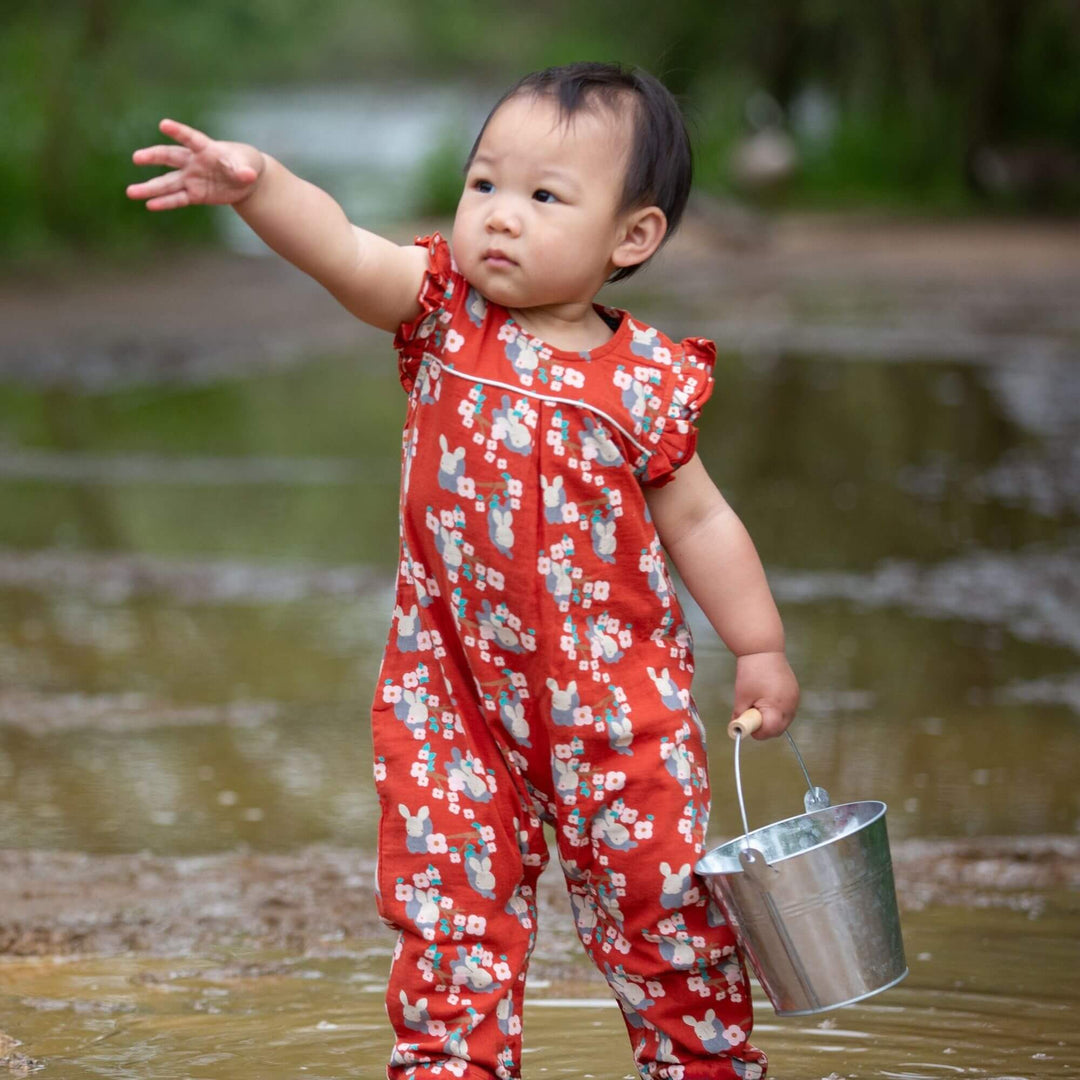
717 560
375 279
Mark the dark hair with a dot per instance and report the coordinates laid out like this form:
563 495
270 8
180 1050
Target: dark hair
660 168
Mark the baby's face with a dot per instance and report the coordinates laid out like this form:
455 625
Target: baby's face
537 222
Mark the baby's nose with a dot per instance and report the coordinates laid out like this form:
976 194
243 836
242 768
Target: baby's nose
502 218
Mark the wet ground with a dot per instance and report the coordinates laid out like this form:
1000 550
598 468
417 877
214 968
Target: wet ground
197 541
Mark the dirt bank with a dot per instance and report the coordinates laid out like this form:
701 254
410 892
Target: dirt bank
842 283
308 901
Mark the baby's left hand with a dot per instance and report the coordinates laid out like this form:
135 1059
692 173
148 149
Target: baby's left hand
765 681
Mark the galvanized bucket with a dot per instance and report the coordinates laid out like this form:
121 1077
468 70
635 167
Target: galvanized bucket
811 899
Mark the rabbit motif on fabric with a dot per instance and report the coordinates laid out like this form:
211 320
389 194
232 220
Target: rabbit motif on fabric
538 670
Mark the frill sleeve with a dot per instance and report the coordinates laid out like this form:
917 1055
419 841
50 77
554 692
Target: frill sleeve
437 292
689 384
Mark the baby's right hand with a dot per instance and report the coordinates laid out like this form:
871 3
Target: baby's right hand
204 170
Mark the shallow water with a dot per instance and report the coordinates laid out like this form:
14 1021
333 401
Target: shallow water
194 589
990 995
195 585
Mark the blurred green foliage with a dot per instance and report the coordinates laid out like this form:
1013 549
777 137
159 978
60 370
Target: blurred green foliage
918 87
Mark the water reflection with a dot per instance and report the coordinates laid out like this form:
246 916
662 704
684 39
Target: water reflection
990 995
194 590
234 616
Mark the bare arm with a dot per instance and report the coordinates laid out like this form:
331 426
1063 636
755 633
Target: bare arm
376 280
717 560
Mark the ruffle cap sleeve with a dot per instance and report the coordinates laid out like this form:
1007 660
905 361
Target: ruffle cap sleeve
688 385
438 290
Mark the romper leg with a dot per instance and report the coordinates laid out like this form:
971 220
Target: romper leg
629 834
459 855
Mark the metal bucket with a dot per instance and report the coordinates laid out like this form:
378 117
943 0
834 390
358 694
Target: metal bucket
812 901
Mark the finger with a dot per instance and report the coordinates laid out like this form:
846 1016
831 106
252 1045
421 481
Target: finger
159 185
242 174
170 202
190 137
773 721
176 157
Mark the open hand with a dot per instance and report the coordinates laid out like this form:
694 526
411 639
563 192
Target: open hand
765 681
204 170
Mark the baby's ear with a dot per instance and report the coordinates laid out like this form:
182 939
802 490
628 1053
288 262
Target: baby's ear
643 232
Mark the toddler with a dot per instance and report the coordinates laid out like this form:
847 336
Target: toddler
538 666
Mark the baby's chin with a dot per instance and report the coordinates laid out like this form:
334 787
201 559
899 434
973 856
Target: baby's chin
495 291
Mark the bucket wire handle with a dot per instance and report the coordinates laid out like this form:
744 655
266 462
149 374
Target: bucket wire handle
747 723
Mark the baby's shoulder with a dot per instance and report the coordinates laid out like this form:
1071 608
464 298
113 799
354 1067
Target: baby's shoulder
651 346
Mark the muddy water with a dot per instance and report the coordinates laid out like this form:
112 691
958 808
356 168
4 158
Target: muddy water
194 588
990 995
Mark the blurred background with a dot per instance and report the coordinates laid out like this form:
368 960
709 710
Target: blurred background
198 483
958 106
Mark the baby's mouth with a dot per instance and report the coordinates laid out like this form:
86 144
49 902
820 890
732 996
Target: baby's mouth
497 258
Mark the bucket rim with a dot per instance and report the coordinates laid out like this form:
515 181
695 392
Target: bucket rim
744 840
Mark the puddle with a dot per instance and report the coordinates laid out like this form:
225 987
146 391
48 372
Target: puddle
195 585
988 996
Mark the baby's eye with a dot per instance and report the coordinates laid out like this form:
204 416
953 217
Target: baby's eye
543 195
485 187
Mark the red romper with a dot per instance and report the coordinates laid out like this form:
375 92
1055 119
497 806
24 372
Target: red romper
538 670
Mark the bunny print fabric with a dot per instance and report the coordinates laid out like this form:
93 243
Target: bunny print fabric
538 671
